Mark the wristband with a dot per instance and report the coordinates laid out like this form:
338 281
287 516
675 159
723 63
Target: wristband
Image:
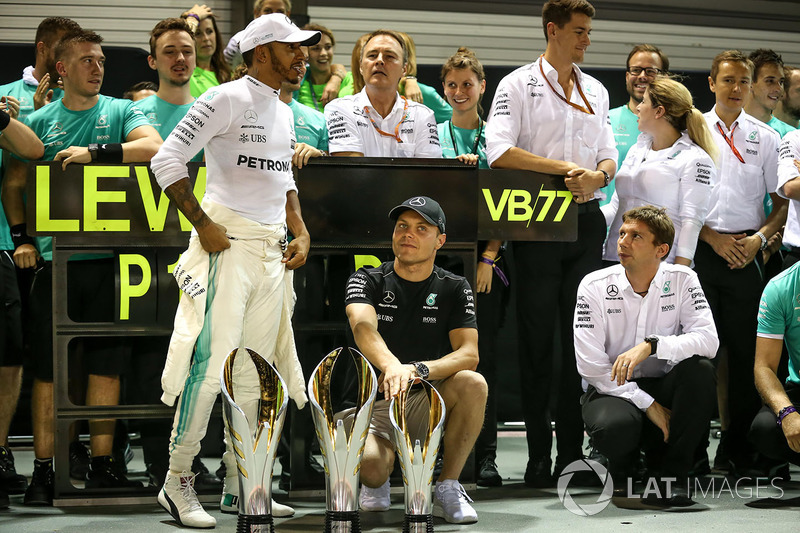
763 240
5 120
109 153
410 77
194 16
789 409
19 235
500 273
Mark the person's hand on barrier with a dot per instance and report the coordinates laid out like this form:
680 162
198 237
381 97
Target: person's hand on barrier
659 415
43 94
10 105
73 154
483 282
303 152
26 256
297 252
213 238
468 159
395 379
791 430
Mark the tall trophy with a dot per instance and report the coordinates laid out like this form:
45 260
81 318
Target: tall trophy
342 450
418 460
255 449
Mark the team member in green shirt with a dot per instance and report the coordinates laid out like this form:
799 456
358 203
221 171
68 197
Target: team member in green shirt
172 55
645 62
314 91
211 69
778 325
82 127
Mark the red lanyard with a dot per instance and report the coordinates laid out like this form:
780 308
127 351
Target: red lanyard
588 109
730 141
396 134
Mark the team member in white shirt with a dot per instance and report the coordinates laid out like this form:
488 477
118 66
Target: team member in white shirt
789 188
727 259
644 335
550 117
670 166
378 122
236 273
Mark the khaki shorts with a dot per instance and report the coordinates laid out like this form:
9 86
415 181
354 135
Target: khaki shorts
417 415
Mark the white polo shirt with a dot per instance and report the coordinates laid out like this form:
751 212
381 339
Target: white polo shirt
737 200
610 318
679 178
248 136
789 151
351 130
527 113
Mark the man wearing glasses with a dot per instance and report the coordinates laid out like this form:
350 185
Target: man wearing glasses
645 62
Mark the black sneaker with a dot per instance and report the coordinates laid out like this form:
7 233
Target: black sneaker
40 490
78 460
10 481
157 474
488 476
204 480
105 473
537 474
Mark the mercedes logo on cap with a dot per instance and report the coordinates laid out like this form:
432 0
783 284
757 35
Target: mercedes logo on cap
250 115
418 201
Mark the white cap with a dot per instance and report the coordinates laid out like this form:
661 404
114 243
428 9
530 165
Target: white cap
274 27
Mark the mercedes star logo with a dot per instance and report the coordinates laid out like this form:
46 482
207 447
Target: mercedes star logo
612 290
250 115
388 297
418 201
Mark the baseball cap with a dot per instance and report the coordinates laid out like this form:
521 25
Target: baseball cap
428 208
274 27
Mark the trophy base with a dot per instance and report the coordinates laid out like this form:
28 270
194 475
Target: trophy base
345 521
249 523
415 523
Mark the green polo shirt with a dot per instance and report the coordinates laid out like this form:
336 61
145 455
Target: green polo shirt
625 125
202 80
309 126
310 95
164 116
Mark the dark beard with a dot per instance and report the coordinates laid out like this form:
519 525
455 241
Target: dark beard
286 74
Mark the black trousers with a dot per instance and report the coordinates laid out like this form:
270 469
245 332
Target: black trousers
547 275
619 429
766 435
734 296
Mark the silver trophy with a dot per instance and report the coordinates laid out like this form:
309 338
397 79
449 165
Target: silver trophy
417 460
342 450
255 449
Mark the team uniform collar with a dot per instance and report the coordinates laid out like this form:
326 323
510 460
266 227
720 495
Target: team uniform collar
365 102
261 88
742 118
552 74
655 283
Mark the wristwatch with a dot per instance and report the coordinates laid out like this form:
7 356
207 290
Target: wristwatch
93 149
606 178
653 340
422 370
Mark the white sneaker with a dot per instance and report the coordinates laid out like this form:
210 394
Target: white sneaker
453 504
229 503
179 499
375 499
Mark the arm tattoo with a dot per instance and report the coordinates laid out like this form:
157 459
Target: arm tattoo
181 194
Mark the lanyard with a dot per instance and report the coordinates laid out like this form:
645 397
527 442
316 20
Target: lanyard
588 109
730 141
396 134
474 145
313 95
